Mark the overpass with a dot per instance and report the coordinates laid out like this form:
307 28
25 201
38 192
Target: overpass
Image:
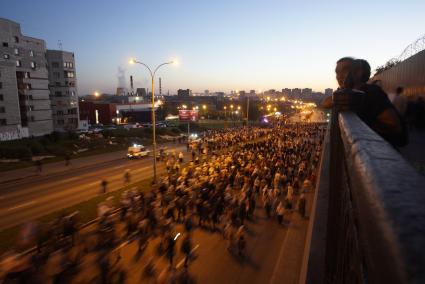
368 218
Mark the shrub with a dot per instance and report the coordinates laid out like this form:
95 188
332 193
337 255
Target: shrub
15 152
174 131
57 150
35 146
147 131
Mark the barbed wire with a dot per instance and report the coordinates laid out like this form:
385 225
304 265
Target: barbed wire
412 49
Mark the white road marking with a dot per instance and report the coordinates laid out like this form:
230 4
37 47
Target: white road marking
118 167
21 205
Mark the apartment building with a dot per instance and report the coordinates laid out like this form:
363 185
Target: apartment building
63 89
25 108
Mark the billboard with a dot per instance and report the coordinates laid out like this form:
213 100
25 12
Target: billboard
188 115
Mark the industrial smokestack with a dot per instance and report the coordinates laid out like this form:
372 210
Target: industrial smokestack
131 85
160 87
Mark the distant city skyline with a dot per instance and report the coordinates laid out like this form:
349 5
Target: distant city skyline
220 45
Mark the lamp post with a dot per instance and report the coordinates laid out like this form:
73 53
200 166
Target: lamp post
133 61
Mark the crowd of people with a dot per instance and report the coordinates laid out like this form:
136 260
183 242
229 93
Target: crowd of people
232 174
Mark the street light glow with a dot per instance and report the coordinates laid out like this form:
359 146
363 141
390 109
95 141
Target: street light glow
131 61
96 94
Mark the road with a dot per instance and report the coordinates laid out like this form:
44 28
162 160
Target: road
29 198
274 253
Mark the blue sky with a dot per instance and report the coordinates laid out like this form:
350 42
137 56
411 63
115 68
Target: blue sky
220 44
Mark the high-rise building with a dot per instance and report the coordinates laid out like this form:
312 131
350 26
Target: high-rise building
286 92
296 93
329 92
306 92
25 107
63 89
184 93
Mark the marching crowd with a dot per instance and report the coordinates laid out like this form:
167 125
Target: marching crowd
232 174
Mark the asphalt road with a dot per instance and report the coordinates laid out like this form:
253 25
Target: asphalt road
273 254
32 197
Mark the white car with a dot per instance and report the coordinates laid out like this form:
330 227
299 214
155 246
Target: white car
137 151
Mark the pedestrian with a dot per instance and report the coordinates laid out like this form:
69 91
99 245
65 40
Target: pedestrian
280 210
302 205
186 248
67 160
104 185
39 166
171 243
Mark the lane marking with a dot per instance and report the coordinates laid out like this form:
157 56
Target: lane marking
21 205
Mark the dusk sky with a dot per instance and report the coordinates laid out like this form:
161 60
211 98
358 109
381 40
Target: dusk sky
221 45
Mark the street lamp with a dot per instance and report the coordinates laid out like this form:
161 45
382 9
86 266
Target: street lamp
133 61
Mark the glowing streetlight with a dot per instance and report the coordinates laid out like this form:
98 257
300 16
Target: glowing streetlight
239 107
204 107
96 94
152 73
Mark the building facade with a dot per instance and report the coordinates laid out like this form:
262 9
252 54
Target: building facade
329 92
63 89
25 108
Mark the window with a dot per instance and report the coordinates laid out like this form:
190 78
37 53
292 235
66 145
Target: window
16 39
2 110
31 53
3 122
58 94
33 65
30 97
5 44
16 51
59 112
60 122
72 93
18 63
1 85
6 56
68 65
68 74
1 97
30 108
57 84
56 75
55 64
72 111
27 75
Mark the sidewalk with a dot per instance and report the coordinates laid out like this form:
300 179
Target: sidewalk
59 167
414 151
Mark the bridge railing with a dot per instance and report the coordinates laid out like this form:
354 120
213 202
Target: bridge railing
368 220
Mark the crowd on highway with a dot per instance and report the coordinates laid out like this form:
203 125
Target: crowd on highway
233 173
